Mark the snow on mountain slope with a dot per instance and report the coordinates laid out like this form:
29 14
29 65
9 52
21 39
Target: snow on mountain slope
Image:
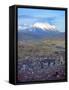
44 26
39 31
38 25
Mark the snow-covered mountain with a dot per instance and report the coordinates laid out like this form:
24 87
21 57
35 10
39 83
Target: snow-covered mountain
36 26
44 26
39 31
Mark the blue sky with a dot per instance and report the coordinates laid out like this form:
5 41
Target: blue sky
31 16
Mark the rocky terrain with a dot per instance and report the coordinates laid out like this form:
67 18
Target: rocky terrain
43 69
41 61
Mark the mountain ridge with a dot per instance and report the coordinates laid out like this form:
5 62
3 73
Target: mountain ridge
37 34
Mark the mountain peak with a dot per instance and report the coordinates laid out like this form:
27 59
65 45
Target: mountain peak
44 26
38 26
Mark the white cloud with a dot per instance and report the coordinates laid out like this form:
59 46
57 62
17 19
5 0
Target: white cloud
22 27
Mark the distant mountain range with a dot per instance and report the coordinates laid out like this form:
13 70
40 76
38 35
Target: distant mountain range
40 31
